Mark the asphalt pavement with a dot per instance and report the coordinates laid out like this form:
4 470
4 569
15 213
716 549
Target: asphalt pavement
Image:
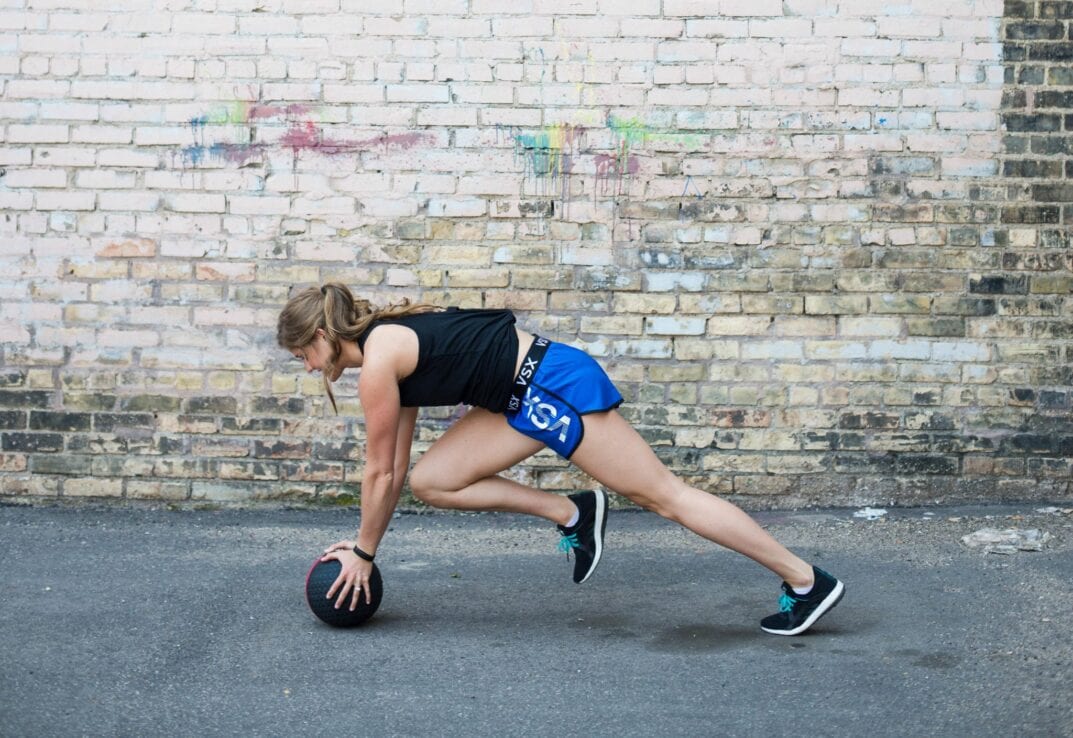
124 621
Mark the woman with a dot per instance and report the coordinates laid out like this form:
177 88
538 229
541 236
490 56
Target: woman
526 393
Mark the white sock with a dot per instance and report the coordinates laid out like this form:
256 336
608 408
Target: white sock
573 520
802 591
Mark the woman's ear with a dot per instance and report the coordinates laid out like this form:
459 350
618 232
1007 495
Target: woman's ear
319 333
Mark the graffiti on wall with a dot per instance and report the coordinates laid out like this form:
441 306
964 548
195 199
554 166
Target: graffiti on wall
550 157
298 131
557 164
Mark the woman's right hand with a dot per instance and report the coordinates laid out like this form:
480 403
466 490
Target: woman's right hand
354 577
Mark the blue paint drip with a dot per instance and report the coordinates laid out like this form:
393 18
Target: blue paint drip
193 155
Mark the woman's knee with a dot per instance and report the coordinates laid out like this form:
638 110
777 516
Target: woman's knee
423 484
664 499
428 487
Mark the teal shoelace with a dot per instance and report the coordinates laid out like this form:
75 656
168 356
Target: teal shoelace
568 542
786 603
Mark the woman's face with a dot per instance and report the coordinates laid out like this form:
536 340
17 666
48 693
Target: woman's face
317 354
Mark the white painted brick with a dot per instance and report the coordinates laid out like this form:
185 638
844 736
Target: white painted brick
351 93
967 167
19 111
318 251
870 326
52 43
586 256
196 203
624 51
871 48
16 201
675 326
548 95
162 136
672 281
198 23
918 350
916 26
669 74
680 96
642 27
765 350
94 179
685 51
69 111
960 351
750 7
643 349
102 134
782 28
418 93
934 97
431 7
37 177
947 143
844 28
459 27
565 7
265 24
873 142
487 185
329 25
128 158
15 157
287 91
981 121
266 205
384 207
65 200
499 7
36 89
485 94
38 133
17 21
457 208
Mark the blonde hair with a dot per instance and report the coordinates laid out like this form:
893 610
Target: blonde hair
343 317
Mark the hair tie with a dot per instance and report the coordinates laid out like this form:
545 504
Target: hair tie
324 290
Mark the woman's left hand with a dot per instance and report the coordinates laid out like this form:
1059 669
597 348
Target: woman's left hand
353 579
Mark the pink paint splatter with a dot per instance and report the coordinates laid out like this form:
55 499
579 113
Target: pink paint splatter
306 136
259 112
610 165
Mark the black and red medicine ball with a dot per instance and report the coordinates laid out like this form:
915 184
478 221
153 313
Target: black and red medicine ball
320 579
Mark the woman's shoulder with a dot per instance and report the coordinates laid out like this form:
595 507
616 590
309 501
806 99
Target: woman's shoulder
393 343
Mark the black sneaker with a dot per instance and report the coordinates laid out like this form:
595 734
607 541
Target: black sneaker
587 537
797 613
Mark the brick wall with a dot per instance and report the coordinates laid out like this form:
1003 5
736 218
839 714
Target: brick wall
823 247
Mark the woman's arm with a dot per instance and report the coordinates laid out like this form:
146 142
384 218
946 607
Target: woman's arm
378 389
403 442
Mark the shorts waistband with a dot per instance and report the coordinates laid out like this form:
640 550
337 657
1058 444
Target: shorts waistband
530 364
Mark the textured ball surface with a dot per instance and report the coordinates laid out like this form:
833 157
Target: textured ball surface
320 579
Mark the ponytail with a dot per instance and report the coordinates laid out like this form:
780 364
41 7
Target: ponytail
333 309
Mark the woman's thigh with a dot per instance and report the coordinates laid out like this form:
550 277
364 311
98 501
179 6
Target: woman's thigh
615 455
481 444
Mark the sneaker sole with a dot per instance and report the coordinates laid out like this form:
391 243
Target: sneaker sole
828 602
598 532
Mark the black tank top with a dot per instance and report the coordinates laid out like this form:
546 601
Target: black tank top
464 356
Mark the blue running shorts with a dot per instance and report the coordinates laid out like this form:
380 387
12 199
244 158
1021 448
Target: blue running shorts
566 385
